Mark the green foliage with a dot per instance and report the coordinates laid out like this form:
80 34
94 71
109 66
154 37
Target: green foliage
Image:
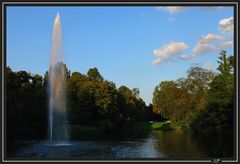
26 104
218 114
147 126
91 101
178 100
202 102
199 78
161 126
164 93
135 92
93 74
225 64
94 100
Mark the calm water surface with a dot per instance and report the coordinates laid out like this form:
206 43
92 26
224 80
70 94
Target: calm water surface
156 144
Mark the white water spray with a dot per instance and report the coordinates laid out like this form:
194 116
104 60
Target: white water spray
57 125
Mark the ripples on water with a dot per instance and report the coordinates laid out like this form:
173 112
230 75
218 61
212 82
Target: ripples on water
90 150
157 145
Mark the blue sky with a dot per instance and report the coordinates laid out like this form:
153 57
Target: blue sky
132 46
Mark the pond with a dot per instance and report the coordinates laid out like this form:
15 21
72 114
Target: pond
172 144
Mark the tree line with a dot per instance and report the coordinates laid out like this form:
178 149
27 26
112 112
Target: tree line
202 102
91 100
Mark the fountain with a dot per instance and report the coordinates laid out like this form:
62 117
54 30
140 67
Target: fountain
57 125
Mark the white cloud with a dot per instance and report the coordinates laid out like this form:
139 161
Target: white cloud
167 52
170 49
202 48
173 9
226 25
157 61
210 38
205 45
226 44
186 57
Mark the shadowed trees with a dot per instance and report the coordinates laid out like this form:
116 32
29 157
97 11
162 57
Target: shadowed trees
95 100
26 104
91 100
202 101
218 113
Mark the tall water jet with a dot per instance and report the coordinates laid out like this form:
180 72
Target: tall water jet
57 125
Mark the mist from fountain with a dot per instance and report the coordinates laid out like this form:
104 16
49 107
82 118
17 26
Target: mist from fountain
57 122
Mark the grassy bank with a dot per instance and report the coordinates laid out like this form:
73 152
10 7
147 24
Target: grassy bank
137 126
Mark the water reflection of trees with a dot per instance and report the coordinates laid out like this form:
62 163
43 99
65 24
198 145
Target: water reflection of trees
177 144
180 144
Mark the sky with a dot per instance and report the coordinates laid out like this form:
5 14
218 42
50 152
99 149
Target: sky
133 46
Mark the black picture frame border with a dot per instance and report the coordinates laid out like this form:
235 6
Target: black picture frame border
43 3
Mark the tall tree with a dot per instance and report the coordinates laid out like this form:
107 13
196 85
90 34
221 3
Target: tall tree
164 98
225 63
93 74
218 114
